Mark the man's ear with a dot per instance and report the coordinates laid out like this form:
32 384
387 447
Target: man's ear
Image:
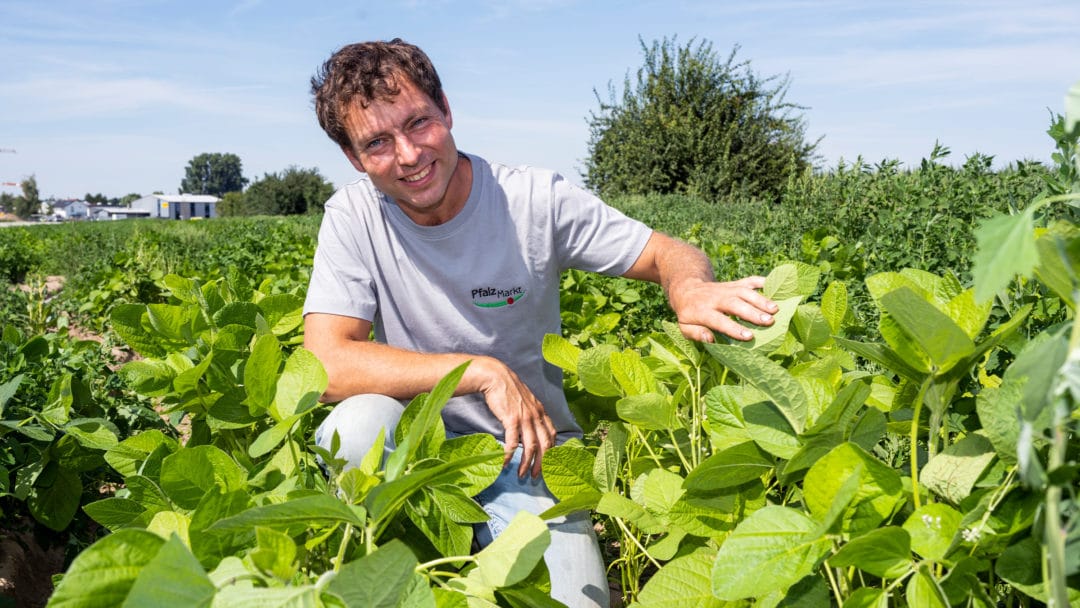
353 159
449 118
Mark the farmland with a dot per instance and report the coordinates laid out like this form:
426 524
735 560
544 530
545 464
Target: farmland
905 435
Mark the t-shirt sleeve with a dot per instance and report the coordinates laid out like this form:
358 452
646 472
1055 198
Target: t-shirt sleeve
591 235
341 281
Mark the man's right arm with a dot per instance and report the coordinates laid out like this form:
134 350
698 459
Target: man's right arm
356 365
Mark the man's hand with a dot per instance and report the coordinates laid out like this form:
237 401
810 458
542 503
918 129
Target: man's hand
523 417
704 306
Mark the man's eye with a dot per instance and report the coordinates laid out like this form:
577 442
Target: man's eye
419 122
374 144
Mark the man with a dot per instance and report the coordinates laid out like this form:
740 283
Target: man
452 259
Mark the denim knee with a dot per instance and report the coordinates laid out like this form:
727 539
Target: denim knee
358 421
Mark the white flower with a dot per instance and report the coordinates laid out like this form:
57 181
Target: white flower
971 535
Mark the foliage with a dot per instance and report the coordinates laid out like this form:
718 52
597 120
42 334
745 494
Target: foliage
213 173
691 123
295 191
20 252
29 202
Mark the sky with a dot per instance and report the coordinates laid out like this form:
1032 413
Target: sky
116 96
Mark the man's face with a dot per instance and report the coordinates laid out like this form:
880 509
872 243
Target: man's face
405 146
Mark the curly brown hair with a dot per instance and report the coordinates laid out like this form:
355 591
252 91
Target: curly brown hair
364 72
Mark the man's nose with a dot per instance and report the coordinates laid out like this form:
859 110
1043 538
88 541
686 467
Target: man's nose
408 153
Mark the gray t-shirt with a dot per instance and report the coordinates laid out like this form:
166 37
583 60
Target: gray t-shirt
486 282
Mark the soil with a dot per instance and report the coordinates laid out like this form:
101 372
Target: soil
27 565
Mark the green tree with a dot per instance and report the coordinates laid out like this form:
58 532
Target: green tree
692 124
213 173
7 202
294 191
96 199
127 199
29 202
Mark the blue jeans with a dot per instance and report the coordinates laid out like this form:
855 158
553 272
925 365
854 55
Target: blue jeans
573 558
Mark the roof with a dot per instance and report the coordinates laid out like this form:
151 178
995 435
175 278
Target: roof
187 198
119 210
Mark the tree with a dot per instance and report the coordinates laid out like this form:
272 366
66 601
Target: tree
692 124
127 199
96 199
213 173
30 201
294 191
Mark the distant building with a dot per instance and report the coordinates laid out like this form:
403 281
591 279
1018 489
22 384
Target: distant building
71 210
117 213
178 206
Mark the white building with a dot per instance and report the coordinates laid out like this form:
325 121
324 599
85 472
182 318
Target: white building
117 213
178 206
66 210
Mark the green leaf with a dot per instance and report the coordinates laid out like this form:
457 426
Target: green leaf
812 327
1004 248
942 340
782 283
633 376
274 553
427 416
514 552
236 596
126 456
172 579
768 339
614 504
568 472
684 582
8 390
102 575
188 474
952 473
649 411
924 591
681 342
769 551
885 553
237 313
261 372
999 413
933 529
114 513
728 468
867 597
561 353
768 377
272 437
432 518
476 478
887 358
150 377
377 580
283 312
126 321
318 509
834 305
301 384
594 371
93 433
386 498
55 503
880 492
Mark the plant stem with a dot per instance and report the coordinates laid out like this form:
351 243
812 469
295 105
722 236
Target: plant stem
341 550
915 440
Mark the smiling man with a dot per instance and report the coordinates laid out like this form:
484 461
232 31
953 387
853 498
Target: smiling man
451 258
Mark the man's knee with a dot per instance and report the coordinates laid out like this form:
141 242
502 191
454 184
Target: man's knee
357 422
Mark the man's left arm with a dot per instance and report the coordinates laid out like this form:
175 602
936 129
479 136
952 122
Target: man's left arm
701 304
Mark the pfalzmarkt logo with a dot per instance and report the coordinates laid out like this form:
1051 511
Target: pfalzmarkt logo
492 297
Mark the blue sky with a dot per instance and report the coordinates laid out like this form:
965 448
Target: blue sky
116 96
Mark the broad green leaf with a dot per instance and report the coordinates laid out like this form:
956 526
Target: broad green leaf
126 321
633 376
93 433
272 437
184 289
867 597
923 591
812 327
769 551
714 514
723 414
475 478
999 414
188 474
657 490
236 596
568 472
188 380
834 305
885 553
768 377
7 391
377 580
880 492
114 513
561 353
609 457
386 498
789 280
594 371
283 312
275 553
768 339
1004 248
681 342
952 473
103 574
317 509
172 579
171 321
684 582
428 414
237 313
933 529
1020 565
912 369
448 536
614 504
126 455
301 384
149 377
728 468
261 372
649 411
942 340
1059 260
770 429
968 314
55 502
168 523
514 553
1039 362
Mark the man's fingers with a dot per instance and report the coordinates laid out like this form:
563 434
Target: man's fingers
510 443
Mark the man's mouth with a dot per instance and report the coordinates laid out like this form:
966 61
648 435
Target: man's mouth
418 176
